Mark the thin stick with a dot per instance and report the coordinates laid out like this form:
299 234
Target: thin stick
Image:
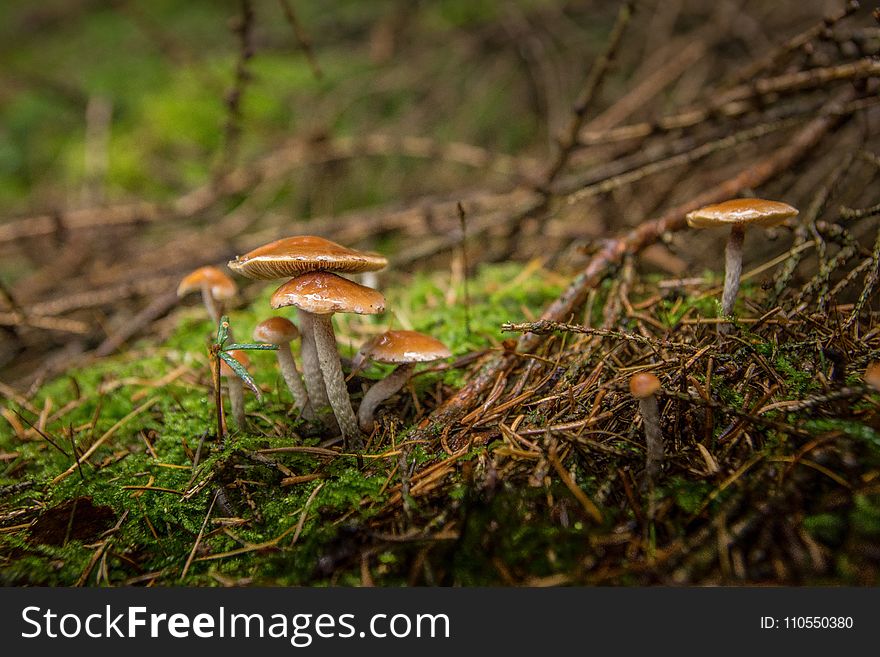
796 42
218 400
680 159
462 219
107 434
62 324
871 279
588 505
737 101
593 84
302 517
243 29
546 326
302 37
859 213
195 547
44 435
253 547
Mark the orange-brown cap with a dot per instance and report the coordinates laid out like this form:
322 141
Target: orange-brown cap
292 256
240 356
276 330
643 384
742 211
323 293
403 347
222 287
872 375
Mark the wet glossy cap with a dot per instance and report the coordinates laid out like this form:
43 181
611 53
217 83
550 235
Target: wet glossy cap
292 256
643 384
402 347
323 293
872 375
276 330
240 356
222 287
742 212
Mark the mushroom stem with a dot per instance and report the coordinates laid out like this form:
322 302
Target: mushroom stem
311 365
236 399
381 391
732 272
210 303
294 381
653 437
334 381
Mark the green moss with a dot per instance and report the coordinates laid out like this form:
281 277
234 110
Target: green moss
851 428
798 379
826 527
866 516
183 414
688 495
670 311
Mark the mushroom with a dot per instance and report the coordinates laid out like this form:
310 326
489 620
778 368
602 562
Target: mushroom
644 387
236 387
738 214
318 295
281 332
214 286
401 348
292 256
872 375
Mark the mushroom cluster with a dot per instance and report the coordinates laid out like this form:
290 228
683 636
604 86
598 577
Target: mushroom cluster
316 287
317 291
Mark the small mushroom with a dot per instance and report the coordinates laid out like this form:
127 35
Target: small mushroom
872 375
281 332
644 387
401 348
213 284
235 387
738 214
318 295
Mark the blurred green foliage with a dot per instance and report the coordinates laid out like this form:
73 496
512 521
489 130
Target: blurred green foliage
165 67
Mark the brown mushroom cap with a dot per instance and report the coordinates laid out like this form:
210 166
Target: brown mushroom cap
643 384
872 375
292 256
240 356
222 287
323 293
404 347
741 211
276 330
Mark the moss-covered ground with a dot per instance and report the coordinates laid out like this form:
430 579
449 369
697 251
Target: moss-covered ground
288 507
156 402
111 469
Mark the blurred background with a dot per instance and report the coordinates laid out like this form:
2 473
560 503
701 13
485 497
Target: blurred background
140 139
